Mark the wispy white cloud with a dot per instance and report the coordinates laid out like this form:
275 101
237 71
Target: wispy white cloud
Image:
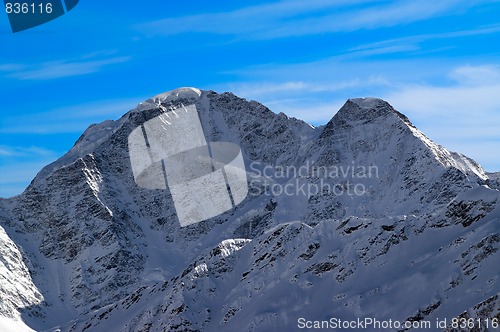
462 114
70 119
413 41
477 75
19 165
349 54
463 117
304 100
334 70
263 17
275 90
401 12
300 18
9 67
19 151
259 89
307 110
473 95
452 115
60 68
15 176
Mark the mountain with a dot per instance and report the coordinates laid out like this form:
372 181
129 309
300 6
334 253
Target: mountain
364 217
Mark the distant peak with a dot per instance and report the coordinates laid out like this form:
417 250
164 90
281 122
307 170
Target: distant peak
368 102
180 93
187 93
356 111
368 109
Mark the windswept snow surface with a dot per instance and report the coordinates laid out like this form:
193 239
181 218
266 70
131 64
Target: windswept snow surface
364 217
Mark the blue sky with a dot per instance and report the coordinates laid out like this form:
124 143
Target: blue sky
436 61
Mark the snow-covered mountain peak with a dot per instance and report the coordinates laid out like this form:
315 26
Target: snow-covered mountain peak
365 200
96 134
367 109
367 102
187 94
181 93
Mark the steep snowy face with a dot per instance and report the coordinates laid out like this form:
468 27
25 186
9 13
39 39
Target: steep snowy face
326 208
400 170
188 95
359 109
99 234
17 290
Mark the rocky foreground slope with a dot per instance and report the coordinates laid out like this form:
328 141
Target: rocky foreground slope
362 218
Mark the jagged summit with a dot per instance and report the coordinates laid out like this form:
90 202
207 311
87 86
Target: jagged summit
364 111
375 215
187 94
367 109
367 102
355 114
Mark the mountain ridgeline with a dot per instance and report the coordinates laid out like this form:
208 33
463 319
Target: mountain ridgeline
364 217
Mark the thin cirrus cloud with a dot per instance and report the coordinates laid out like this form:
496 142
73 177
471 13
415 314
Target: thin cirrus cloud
311 112
300 18
71 119
300 99
463 117
13 176
235 22
58 69
474 93
19 163
17 151
265 91
413 43
462 114
477 75
462 110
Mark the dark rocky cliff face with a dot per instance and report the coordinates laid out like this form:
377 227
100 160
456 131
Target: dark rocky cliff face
86 241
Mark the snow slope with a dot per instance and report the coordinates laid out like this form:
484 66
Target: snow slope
376 221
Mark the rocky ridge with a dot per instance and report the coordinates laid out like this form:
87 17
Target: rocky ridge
419 240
